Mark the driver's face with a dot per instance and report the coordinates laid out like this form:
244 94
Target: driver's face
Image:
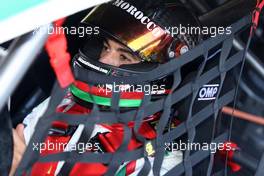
116 54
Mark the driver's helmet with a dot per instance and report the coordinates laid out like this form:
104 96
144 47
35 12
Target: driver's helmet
148 31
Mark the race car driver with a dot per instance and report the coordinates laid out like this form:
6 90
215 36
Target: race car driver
132 34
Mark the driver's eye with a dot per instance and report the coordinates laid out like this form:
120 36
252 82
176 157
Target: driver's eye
105 47
124 58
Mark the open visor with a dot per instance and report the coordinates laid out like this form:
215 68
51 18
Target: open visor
131 27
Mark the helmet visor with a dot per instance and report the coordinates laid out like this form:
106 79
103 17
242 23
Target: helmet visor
131 27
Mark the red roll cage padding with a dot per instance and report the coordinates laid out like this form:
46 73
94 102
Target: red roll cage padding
56 47
256 14
228 151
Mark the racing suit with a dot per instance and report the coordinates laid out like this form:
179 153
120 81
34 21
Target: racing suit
105 138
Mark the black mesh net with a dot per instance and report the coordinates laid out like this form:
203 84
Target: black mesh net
198 118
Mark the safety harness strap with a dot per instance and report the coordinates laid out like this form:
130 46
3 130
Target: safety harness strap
56 47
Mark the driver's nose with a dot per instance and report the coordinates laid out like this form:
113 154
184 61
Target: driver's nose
110 58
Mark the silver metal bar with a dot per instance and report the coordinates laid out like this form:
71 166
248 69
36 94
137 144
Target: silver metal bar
3 53
250 57
18 60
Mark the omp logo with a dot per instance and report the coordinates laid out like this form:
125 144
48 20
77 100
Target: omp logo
208 92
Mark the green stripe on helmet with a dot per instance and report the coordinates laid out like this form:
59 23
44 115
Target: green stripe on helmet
130 103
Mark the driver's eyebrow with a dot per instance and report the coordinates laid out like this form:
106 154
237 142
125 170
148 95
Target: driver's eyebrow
128 52
106 41
124 50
